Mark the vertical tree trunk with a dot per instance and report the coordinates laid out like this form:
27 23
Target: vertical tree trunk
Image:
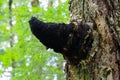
35 3
50 3
103 61
10 23
11 33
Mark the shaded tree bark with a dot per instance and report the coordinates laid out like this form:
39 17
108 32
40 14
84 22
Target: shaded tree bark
103 60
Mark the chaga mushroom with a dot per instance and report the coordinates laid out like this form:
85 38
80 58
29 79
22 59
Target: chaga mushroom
67 39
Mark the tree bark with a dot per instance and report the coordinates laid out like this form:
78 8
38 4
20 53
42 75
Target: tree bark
103 59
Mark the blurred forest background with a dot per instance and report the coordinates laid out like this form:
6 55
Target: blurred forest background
22 56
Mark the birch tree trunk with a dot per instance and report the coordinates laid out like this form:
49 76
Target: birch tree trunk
103 60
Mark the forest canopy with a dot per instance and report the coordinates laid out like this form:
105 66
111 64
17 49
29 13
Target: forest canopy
22 56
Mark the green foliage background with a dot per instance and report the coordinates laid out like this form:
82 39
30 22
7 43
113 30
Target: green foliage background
28 58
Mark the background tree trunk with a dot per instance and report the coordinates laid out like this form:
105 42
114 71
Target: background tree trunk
11 33
35 3
103 62
10 23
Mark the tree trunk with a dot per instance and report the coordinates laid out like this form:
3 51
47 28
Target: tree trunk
11 33
35 3
103 59
50 3
10 23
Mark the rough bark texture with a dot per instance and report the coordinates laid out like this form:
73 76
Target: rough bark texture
103 61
